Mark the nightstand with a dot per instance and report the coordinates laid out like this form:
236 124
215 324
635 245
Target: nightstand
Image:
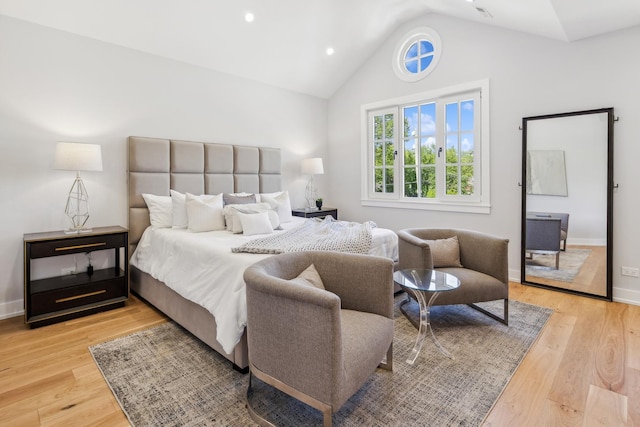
55 299
315 213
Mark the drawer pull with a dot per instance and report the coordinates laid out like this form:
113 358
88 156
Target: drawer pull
90 294
89 245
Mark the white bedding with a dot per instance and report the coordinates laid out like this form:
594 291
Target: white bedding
201 268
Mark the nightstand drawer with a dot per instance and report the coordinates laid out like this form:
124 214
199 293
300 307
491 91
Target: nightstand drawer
77 296
76 245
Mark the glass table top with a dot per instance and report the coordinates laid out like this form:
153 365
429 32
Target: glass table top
426 280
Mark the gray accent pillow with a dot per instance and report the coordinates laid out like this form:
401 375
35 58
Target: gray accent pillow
309 277
445 252
236 199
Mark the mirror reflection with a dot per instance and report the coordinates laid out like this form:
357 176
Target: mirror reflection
566 228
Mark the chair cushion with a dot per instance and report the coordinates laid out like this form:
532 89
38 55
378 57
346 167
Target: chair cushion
474 287
445 252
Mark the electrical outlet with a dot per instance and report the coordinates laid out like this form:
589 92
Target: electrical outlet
630 271
68 270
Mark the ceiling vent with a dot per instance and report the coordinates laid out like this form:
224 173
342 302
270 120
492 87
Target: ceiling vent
484 12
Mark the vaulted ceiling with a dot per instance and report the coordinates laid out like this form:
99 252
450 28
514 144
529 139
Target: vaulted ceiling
286 44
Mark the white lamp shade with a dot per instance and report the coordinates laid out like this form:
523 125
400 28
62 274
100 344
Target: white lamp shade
312 166
76 156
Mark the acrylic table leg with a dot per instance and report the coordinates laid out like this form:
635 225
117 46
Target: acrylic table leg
424 326
433 336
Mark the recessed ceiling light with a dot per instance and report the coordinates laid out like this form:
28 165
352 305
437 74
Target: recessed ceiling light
330 51
249 17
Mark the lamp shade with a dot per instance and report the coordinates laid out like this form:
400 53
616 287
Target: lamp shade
76 156
312 166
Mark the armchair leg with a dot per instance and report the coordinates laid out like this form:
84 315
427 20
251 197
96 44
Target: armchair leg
387 362
505 318
326 410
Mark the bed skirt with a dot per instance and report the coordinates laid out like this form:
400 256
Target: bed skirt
187 314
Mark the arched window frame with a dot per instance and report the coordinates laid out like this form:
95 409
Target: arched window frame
409 39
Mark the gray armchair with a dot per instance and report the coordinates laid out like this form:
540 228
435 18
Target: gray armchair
484 270
564 223
319 345
543 236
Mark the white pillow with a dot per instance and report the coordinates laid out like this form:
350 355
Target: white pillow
179 210
231 216
204 213
159 210
233 222
281 203
255 223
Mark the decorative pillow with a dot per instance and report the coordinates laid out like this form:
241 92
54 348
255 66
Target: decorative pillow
160 208
233 222
238 198
281 203
309 277
204 213
179 210
255 223
445 252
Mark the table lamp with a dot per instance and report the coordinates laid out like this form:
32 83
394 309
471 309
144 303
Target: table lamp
311 167
78 157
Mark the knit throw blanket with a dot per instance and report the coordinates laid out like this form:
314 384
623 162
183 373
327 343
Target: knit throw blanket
315 235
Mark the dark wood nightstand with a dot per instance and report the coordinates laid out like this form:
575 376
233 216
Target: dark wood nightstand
55 299
315 213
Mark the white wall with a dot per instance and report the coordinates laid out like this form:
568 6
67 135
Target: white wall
55 86
529 76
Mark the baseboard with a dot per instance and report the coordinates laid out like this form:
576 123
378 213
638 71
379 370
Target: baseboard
626 296
11 309
514 276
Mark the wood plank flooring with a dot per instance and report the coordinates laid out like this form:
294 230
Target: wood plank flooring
584 369
591 278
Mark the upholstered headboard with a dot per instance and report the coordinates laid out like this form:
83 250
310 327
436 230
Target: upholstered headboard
157 165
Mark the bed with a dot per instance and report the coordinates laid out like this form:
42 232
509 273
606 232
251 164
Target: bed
161 166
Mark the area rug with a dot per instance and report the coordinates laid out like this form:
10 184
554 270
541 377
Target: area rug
165 376
571 261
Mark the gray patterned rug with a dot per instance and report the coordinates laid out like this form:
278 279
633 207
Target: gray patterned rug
571 262
165 377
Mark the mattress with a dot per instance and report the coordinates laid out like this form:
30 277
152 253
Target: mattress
201 268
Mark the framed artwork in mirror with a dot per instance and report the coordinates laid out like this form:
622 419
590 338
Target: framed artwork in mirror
546 173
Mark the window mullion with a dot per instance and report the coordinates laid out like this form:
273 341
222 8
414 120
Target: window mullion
440 150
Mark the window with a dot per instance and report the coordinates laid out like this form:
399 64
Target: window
417 54
428 151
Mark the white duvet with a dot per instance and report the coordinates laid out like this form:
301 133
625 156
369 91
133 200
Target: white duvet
201 268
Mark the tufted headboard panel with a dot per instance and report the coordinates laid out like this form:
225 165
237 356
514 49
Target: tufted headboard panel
157 165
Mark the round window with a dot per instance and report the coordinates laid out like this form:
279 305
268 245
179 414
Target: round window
417 54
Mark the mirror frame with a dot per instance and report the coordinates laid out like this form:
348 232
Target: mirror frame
610 187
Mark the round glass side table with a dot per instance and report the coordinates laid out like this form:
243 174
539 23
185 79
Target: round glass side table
423 284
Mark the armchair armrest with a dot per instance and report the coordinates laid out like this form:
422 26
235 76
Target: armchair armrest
363 283
413 251
485 253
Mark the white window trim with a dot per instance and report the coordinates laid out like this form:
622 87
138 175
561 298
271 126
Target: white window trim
407 40
483 206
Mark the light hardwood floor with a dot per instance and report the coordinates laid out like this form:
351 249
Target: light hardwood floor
583 370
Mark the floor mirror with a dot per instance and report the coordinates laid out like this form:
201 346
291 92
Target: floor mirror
567 188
